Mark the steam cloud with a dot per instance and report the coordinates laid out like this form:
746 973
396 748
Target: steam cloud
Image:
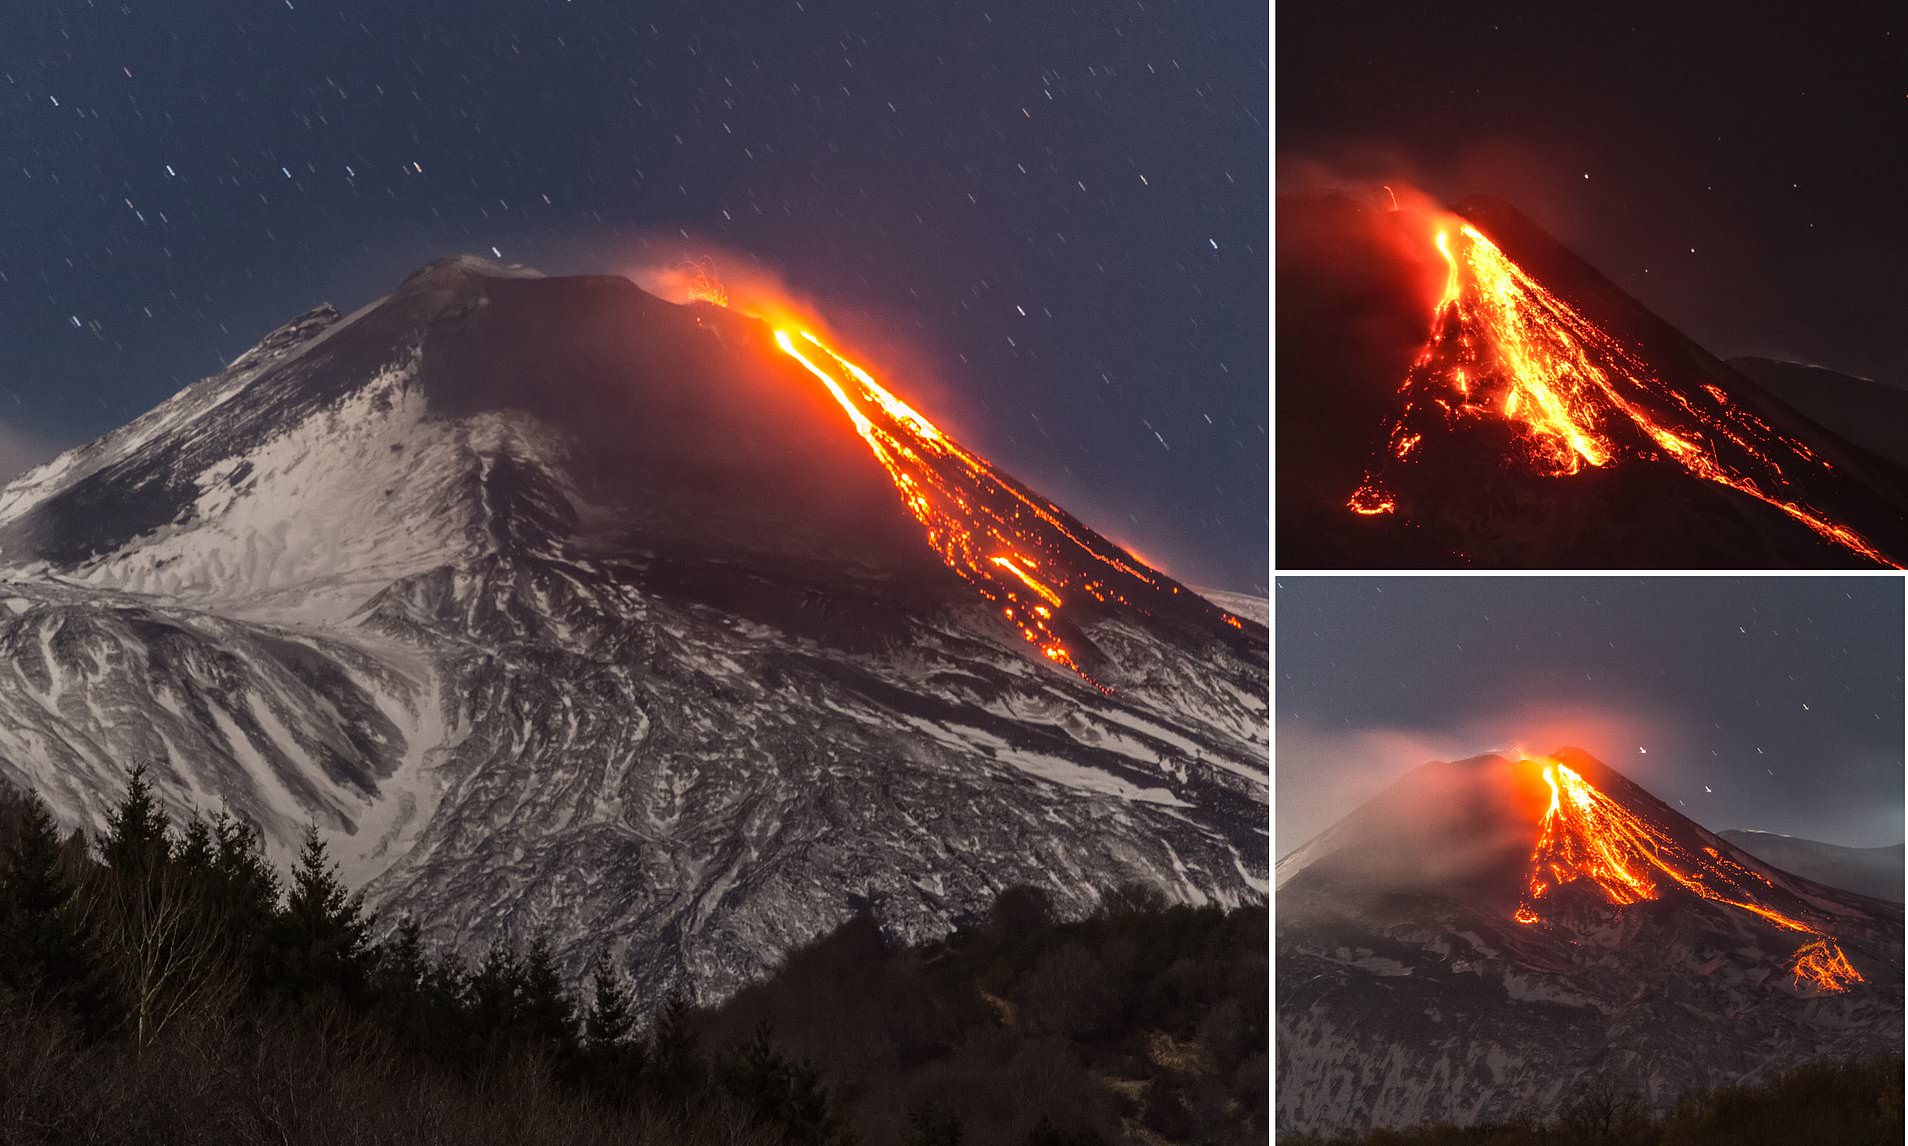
1325 773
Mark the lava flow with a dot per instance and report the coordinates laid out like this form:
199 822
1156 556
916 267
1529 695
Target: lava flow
1589 836
1504 347
1018 551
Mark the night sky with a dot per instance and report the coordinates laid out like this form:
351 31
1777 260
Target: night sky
1741 169
1061 208
1771 703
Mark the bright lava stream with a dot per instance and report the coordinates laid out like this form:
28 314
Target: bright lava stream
1588 835
1503 346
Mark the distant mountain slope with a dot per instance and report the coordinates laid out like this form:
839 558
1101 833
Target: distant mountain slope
1252 608
1870 871
559 605
1872 414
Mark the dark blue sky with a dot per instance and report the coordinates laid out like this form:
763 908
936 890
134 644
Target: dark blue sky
1772 703
177 179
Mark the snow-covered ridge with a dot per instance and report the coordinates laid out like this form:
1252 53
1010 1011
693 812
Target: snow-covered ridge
172 416
1246 605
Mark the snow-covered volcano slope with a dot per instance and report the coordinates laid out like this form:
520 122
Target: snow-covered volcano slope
557 605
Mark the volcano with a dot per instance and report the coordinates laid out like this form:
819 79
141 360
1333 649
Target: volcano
1535 415
1486 937
663 627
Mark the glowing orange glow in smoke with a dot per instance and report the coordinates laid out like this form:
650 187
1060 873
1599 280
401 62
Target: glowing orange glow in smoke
1503 347
691 280
1017 551
1586 835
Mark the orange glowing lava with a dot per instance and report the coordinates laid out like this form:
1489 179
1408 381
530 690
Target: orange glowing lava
985 529
1020 552
1503 347
1586 835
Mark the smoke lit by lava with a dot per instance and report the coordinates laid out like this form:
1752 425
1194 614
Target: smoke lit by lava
1589 837
1503 347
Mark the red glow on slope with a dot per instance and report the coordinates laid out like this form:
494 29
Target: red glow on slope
1586 835
1503 347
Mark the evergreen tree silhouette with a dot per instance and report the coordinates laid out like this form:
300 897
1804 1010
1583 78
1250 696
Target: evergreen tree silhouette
137 839
613 1055
786 1095
323 933
547 1013
493 997
160 929
402 965
612 1012
46 949
675 1070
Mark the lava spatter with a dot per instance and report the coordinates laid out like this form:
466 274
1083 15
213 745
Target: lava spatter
1587 835
1503 347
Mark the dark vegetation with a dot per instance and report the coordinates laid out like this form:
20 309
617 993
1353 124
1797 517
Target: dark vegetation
166 984
1853 1103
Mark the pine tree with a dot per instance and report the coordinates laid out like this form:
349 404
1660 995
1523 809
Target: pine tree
755 1076
613 1056
428 1003
612 1014
547 1013
34 891
804 1112
402 966
161 932
494 996
196 849
322 939
137 839
45 946
786 1095
246 876
417 1000
675 1071
447 977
